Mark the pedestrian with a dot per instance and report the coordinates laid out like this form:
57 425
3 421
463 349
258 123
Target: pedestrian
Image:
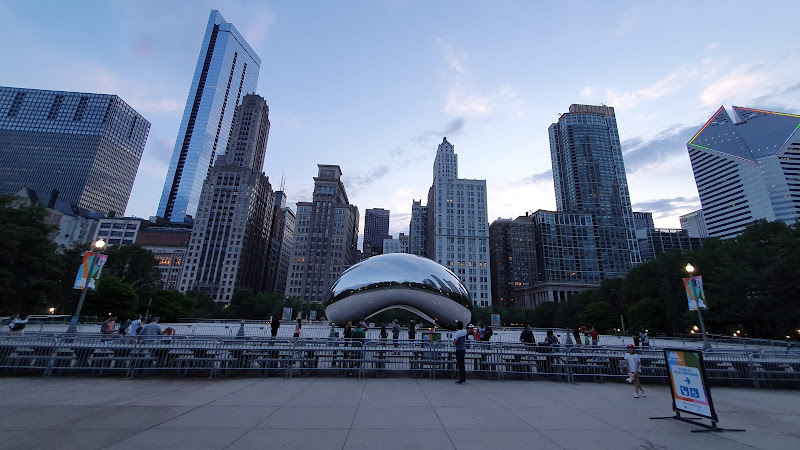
634 369
636 339
359 335
299 328
384 333
18 323
136 326
460 342
577 335
476 334
526 337
151 329
348 330
645 339
412 330
274 326
363 323
595 336
395 331
551 339
487 333
481 331
109 326
123 329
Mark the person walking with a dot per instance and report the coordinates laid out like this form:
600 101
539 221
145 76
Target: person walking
645 339
395 331
460 342
299 328
18 323
412 330
576 333
151 329
634 369
595 336
275 325
526 337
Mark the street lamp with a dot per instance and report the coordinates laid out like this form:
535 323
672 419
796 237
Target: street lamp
693 288
96 246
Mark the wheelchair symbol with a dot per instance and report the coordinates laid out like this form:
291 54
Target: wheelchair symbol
690 392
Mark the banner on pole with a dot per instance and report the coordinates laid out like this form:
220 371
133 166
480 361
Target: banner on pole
93 262
687 377
694 292
287 314
313 314
496 320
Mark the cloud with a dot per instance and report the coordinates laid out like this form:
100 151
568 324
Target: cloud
453 59
586 92
744 82
541 177
642 154
398 223
671 83
668 207
628 20
355 183
713 45
426 138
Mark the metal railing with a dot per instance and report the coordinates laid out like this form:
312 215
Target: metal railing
53 354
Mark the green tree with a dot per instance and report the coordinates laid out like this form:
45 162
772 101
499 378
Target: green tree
168 305
599 315
135 265
29 266
111 296
647 314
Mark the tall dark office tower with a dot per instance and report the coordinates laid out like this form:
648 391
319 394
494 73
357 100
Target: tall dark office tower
227 68
230 237
325 238
85 146
747 170
376 229
418 228
281 236
512 256
589 177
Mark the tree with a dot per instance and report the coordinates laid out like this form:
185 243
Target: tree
135 265
29 266
168 305
599 315
111 296
647 314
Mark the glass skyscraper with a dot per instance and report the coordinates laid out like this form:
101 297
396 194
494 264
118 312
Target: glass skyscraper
227 69
589 177
747 170
85 146
376 229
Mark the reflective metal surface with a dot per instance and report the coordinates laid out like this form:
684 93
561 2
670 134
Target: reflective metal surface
399 280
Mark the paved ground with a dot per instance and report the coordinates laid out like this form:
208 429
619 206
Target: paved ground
335 413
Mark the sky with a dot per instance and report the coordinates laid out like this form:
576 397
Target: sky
374 86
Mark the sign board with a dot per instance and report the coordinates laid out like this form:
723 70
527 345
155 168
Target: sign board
287 314
431 336
687 378
92 262
313 314
694 292
496 320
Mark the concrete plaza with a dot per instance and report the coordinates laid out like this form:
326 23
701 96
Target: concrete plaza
336 413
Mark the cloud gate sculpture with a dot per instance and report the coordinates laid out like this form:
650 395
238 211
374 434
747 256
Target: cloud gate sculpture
399 280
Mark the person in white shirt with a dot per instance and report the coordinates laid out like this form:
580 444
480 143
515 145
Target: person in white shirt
634 369
135 325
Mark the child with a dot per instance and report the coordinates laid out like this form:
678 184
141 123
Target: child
634 369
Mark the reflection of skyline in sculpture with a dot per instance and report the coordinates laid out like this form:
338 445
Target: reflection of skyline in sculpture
402 281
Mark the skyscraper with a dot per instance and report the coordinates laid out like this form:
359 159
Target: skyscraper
227 68
281 237
325 238
85 146
512 251
230 237
418 228
457 225
376 229
747 170
695 224
589 177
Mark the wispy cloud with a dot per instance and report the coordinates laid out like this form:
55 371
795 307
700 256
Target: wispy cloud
453 59
426 138
355 183
744 82
629 20
670 84
640 153
713 46
541 177
667 207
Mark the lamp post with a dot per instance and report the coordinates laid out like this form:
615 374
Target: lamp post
96 247
690 271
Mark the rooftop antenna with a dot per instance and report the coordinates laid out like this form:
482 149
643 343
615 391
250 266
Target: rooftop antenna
283 181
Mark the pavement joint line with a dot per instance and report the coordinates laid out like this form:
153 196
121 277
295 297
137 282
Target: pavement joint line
182 414
437 416
360 399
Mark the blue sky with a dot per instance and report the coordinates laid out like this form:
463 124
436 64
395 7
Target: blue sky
374 85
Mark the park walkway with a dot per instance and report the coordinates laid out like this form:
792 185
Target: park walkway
344 413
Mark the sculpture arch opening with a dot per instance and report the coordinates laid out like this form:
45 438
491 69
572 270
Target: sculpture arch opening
399 280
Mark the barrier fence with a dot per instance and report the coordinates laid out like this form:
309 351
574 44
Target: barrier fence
56 354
